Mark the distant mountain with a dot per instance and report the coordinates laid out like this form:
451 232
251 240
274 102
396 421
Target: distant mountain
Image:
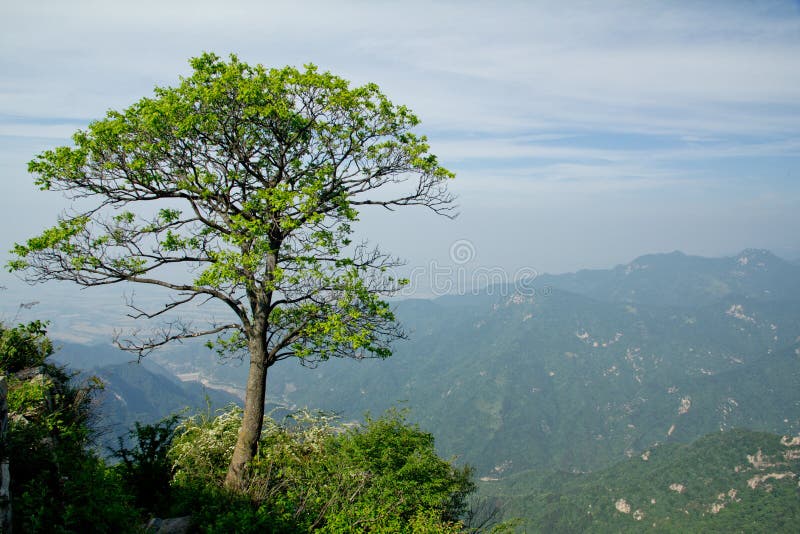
82 357
570 382
734 481
134 392
679 280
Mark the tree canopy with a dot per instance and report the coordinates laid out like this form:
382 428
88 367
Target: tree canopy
251 179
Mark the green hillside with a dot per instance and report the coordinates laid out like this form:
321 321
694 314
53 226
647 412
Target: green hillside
571 382
733 481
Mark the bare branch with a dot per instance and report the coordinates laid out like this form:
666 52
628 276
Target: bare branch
166 308
174 331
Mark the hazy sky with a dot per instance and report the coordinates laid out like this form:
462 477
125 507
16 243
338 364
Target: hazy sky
582 135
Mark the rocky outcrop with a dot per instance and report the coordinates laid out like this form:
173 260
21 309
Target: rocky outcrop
5 475
172 525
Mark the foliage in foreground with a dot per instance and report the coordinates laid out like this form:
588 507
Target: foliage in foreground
314 473
57 483
311 474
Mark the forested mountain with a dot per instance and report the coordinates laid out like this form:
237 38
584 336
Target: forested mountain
734 481
513 379
572 383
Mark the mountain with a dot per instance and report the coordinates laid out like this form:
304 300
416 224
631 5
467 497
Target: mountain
679 280
570 382
575 373
734 481
134 392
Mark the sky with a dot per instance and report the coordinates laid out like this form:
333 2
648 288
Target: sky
582 134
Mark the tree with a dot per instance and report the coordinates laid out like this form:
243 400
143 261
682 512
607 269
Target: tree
250 178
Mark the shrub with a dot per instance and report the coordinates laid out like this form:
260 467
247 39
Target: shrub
57 483
314 474
144 468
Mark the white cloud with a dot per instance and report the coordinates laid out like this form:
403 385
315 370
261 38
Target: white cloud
630 65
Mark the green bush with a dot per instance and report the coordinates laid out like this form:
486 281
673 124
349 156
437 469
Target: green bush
24 346
145 468
74 493
314 474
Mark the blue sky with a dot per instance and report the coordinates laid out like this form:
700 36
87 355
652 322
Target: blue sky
583 135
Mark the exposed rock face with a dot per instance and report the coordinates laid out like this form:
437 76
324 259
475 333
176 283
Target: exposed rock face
686 404
758 480
172 525
5 475
786 441
622 506
680 488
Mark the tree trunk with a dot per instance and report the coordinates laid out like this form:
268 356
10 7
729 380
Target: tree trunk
253 417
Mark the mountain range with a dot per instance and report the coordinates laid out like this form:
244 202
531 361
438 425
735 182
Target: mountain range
585 369
562 377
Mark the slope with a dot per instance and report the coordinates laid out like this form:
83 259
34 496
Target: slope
734 481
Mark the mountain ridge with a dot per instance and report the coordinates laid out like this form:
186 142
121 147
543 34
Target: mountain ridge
680 280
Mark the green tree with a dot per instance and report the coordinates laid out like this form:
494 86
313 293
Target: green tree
250 178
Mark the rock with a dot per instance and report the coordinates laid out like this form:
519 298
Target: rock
5 474
30 372
171 525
